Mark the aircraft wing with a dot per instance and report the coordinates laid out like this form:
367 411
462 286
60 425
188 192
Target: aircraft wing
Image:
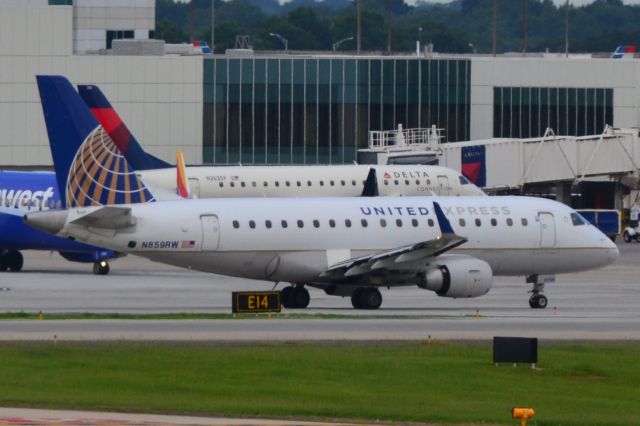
110 217
446 241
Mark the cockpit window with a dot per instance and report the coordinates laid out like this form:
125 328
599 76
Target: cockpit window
463 180
578 220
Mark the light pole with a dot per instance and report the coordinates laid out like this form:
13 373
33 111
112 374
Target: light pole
282 39
339 42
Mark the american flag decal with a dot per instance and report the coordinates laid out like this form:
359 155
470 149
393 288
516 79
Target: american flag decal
186 244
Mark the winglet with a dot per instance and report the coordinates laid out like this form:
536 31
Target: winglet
181 176
443 222
370 185
117 130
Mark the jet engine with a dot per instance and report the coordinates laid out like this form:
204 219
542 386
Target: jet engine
457 276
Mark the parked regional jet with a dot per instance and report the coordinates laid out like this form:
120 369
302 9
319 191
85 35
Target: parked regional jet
345 246
280 181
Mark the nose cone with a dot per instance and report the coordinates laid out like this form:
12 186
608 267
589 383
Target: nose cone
51 222
610 249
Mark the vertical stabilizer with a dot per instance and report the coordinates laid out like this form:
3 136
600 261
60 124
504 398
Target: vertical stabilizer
182 179
107 116
90 169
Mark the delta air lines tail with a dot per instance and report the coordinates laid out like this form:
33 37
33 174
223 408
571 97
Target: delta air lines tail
90 168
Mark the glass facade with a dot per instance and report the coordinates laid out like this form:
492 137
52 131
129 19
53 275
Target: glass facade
283 110
526 112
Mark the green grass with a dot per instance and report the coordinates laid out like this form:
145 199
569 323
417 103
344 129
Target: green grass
577 384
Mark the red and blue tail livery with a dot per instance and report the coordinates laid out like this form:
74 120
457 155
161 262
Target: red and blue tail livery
624 51
107 116
90 169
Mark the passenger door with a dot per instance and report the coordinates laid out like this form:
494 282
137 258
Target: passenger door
443 185
210 232
547 230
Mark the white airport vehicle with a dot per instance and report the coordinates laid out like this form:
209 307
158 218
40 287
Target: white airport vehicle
345 246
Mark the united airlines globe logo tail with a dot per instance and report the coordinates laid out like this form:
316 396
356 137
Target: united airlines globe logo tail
100 175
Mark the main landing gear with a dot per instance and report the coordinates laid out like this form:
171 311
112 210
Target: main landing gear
295 297
11 260
366 298
537 299
101 267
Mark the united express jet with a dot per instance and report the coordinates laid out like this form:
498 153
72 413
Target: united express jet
348 246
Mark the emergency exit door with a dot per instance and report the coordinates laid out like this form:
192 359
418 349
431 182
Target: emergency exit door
210 232
547 230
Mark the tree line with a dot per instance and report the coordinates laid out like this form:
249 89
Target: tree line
462 26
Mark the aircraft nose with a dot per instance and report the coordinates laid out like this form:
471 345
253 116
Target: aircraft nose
47 221
611 249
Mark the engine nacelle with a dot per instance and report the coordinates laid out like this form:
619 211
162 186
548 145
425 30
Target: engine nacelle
458 276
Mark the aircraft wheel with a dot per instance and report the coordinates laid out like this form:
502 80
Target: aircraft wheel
286 296
101 268
14 261
300 297
538 301
366 298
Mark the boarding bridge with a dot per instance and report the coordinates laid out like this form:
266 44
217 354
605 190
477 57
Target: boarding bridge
508 164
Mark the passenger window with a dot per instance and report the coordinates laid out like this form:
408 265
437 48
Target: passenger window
494 222
399 223
364 222
343 183
395 182
332 223
524 222
265 183
277 183
428 182
347 223
221 184
231 184
406 182
321 183
430 222
252 224
267 223
509 221
284 223
462 222
383 223
316 223
300 224
236 224
299 183
308 183
386 183
414 222
332 183
253 184
353 183
417 181
287 183
242 184
478 222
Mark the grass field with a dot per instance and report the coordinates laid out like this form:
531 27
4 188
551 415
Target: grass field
576 384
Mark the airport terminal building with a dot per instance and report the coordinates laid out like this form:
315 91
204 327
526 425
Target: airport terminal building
295 108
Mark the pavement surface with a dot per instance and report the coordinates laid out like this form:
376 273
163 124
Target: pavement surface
28 416
601 304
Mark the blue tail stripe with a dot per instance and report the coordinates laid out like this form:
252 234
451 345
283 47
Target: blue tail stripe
445 225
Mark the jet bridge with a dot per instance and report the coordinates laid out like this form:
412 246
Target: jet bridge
504 164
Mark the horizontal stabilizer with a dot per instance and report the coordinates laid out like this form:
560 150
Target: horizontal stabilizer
111 217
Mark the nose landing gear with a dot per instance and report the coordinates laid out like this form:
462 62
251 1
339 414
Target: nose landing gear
101 267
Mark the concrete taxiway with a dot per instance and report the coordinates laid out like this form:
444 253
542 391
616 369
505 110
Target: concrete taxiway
601 304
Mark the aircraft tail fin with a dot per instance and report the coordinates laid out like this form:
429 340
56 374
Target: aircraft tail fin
370 185
624 52
181 177
90 170
107 116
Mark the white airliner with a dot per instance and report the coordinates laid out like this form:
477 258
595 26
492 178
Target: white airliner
314 181
277 181
345 246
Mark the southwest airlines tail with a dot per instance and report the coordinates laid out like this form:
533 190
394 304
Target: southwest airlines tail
90 169
182 180
115 127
